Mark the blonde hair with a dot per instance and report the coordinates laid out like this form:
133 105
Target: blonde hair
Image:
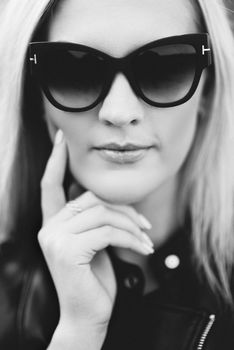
207 181
207 176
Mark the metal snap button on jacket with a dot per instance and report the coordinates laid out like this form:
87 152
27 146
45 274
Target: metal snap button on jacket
172 261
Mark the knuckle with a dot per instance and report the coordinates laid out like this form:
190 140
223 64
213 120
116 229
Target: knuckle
89 195
42 237
51 247
44 182
41 233
101 210
108 231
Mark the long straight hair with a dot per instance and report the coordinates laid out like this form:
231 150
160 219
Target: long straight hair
207 181
207 176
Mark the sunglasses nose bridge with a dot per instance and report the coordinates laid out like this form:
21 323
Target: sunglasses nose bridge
121 65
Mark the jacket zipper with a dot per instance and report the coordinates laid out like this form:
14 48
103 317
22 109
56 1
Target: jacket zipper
206 332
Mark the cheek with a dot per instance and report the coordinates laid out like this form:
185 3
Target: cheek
75 127
177 133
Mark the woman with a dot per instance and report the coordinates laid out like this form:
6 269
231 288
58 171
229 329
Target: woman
116 139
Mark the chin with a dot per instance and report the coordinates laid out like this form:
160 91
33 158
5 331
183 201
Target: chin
119 193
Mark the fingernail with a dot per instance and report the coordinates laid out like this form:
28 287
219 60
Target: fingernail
147 239
145 222
148 249
58 137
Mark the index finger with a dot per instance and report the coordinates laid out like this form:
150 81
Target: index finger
129 210
52 192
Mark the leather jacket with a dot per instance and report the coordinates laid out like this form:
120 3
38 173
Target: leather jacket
185 313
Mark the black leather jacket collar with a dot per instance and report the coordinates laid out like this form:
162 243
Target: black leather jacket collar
179 311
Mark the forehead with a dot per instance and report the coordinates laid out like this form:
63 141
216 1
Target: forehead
119 26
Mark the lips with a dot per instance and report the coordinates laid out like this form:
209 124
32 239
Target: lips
127 153
121 148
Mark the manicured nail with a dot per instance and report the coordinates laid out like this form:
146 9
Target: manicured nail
148 249
58 137
147 239
145 222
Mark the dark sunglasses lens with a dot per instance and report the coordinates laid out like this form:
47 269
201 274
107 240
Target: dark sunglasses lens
165 74
74 78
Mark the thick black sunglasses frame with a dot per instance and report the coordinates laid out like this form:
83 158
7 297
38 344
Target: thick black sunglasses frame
199 41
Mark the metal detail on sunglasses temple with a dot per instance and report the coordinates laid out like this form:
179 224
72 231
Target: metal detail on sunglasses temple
34 59
204 49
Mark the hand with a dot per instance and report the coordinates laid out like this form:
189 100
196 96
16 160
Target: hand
74 245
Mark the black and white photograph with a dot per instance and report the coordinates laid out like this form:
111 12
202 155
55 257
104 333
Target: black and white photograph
116 175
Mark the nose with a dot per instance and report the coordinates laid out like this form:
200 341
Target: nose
121 106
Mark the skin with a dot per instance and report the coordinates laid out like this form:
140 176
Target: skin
149 185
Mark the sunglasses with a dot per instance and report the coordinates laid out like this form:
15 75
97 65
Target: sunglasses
163 73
